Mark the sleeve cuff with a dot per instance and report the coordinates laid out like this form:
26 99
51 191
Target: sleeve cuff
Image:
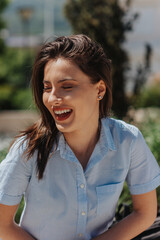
144 188
9 200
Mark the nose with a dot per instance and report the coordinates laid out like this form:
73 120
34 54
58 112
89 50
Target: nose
54 98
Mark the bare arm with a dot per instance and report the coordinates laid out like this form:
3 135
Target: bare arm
9 230
143 215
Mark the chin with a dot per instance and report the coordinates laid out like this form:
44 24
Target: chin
63 128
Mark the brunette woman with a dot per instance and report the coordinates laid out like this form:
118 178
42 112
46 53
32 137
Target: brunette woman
71 165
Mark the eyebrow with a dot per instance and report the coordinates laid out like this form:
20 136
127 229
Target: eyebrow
61 80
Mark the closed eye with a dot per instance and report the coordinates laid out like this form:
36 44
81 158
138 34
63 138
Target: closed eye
46 89
67 87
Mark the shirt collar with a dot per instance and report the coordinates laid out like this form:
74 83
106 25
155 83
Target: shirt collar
105 142
65 150
107 135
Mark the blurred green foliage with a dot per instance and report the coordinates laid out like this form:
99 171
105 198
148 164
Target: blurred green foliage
19 211
3 153
16 67
125 195
3 5
149 97
22 99
151 132
13 98
15 74
5 97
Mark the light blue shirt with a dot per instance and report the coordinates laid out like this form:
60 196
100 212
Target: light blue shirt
70 203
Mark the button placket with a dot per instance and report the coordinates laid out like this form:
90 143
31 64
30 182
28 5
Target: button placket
82 203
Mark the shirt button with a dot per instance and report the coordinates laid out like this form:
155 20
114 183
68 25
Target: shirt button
83 213
80 235
82 185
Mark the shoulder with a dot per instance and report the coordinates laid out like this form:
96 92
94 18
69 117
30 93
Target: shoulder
121 131
18 152
121 126
19 145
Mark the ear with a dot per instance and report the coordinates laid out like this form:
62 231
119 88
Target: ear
101 87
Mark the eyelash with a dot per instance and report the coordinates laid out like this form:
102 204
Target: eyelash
46 88
68 87
64 87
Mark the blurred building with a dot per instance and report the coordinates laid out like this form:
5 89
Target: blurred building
146 33
33 21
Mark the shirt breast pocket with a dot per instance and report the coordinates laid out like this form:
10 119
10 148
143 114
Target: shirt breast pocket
107 198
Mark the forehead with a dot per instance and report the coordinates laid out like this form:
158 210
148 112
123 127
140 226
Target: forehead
63 68
60 64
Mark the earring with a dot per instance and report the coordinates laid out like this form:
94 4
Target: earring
99 97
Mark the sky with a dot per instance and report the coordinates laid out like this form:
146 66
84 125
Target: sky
146 30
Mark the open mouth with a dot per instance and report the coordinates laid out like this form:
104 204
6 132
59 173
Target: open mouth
62 115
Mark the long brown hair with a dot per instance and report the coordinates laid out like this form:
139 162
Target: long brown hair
91 59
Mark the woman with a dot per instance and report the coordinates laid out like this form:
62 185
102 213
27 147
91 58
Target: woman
72 163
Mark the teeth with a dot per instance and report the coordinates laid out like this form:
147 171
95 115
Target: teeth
62 111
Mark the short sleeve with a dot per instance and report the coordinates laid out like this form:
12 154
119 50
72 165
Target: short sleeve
15 173
144 171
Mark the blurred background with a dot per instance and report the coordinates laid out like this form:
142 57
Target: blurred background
129 33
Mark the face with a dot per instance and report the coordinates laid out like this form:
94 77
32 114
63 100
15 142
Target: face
70 96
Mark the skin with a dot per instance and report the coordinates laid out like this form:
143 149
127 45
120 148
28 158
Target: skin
67 87
9 230
143 216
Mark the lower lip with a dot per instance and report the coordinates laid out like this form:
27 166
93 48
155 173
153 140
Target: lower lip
63 116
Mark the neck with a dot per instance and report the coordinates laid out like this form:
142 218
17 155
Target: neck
83 142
